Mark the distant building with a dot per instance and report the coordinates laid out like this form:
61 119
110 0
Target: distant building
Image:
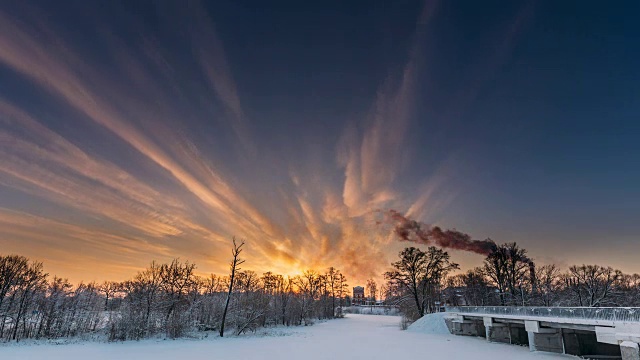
358 296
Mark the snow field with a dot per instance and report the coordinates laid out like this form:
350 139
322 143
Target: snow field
370 337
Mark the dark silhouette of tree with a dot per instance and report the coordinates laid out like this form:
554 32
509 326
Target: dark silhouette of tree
108 290
507 267
235 266
421 274
470 288
592 285
372 289
549 284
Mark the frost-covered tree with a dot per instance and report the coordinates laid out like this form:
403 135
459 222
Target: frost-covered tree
164 298
592 285
176 281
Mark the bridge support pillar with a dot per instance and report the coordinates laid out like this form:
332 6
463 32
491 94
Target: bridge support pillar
496 332
532 341
499 333
458 325
544 339
629 350
487 326
466 328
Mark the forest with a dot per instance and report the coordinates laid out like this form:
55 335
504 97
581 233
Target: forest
423 281
170 300
167 300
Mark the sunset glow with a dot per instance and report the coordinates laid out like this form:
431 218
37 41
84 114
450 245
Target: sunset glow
137 135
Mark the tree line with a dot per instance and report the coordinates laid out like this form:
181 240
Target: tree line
423 281
171 300
162 300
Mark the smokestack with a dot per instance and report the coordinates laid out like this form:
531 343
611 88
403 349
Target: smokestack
532 275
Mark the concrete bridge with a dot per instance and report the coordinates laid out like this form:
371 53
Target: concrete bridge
595 333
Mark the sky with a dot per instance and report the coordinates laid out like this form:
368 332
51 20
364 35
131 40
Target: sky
140 131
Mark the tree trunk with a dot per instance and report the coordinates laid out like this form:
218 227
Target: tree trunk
237 249
226 304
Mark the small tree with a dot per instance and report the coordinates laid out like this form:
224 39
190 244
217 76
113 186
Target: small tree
342 291
332 279
235 266
372 288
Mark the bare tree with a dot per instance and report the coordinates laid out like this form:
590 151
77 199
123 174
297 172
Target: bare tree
592 285
629 289
285 296
549 284
32 281
176 281
147 285
343 289
508 267
309 286
235 266
332 277
421 274
12 269
108 290
372 289
470 288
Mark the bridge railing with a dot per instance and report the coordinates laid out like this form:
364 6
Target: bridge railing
623 314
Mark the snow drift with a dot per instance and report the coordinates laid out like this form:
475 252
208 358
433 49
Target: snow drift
430 324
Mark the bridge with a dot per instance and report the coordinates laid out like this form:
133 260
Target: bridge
594 333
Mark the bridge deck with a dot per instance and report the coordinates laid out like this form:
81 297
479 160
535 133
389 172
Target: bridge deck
605 316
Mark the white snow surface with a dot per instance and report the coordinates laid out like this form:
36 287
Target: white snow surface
369 337
430 324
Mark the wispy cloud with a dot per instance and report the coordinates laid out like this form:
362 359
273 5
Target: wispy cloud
86 94
173 197
373 160
62 173
214 64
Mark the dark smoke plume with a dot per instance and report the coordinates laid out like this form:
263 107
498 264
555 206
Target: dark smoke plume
410 230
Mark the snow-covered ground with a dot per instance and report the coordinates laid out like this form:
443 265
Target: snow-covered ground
432 324
355 337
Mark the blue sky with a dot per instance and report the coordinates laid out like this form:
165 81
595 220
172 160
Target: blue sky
133 132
